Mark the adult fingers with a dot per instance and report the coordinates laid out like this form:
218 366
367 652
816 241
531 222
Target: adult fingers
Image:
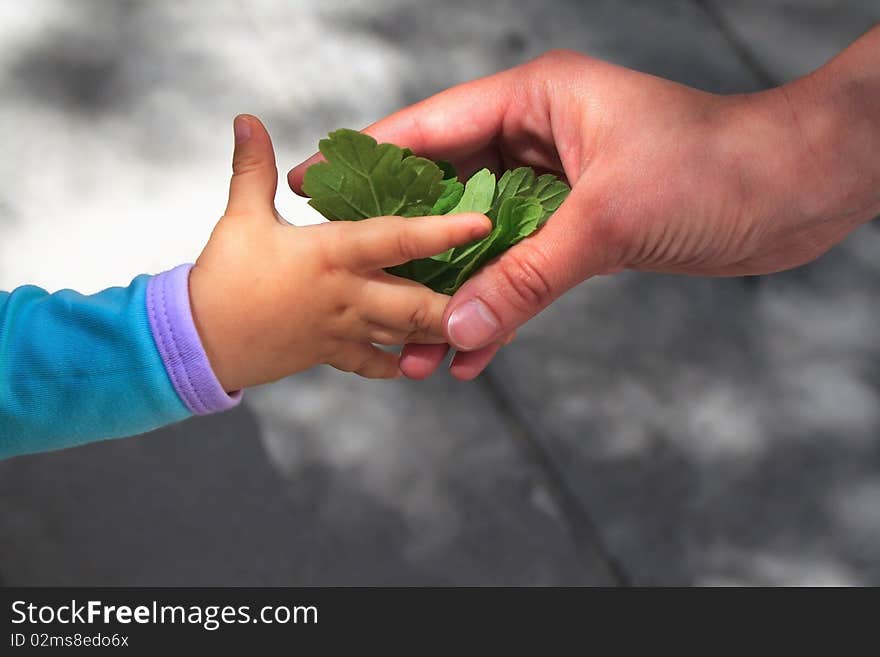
254 174
527 278
452 124
367 361
467 365
419 361
388 241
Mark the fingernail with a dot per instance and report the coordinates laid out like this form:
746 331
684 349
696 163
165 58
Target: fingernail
481 229
472 325
242 129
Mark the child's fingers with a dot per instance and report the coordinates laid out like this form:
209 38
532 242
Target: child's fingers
254 174
388 241
404 306
379 334
367 361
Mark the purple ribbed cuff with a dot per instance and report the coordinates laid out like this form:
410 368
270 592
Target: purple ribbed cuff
174 332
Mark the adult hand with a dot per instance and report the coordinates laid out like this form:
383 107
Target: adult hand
664 178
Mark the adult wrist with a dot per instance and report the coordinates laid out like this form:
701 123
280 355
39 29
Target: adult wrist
800 152
834 114
759 157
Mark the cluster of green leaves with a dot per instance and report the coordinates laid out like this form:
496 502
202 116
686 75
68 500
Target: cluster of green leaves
361 178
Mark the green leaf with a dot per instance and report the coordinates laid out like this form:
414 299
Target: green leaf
449 172
362 179
549 191
452 193
478 193
517 218
476 197
510 184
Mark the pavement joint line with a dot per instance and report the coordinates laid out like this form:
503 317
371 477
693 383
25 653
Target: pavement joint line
748 58
528 434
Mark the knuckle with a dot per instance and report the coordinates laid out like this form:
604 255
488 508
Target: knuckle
327 351
421 319
407 246
371 373
382 335
336 327
522 271
345 366
343 315
346 363
329 250
364 365
561 57
246 163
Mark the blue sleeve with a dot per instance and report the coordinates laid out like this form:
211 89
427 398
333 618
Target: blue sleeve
77 368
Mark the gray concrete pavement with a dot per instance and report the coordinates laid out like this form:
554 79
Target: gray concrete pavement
732 437
644 429
790 38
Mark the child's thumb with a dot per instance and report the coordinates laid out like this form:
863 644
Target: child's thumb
254 175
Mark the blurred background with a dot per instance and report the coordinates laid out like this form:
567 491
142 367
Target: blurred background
645 429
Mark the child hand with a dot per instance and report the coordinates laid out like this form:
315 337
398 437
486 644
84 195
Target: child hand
270 299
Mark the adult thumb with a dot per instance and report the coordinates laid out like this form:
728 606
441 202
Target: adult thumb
524 280
254 174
